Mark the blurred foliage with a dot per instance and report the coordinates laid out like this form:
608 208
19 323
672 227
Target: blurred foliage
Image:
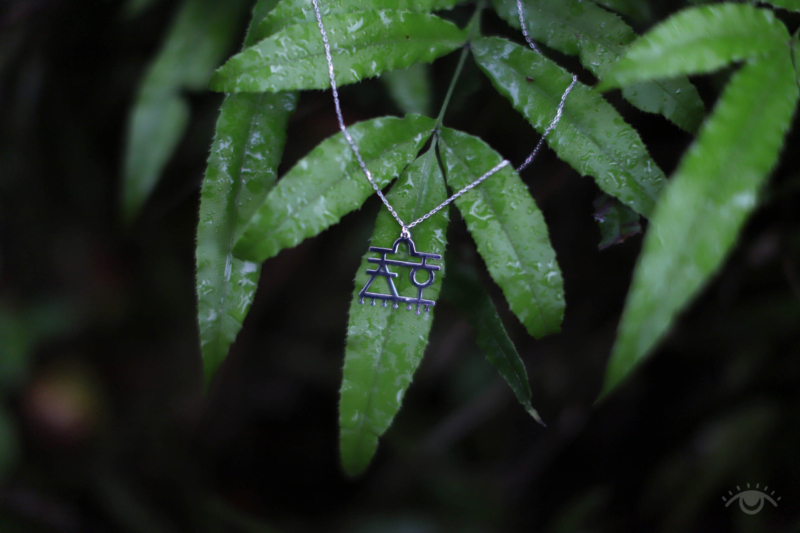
196 42
112 430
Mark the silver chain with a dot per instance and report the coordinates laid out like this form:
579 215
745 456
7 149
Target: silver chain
406 227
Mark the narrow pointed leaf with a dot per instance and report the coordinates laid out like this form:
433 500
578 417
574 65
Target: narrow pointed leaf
385 345
697 40
290 12
509 231
617 222
638 10
328 183
463 289
155 127
591 136
599 39
247 149
363 45
201 35
411 89
706 203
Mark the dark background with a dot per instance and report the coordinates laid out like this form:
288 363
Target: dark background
100 359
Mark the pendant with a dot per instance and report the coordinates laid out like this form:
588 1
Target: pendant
383 271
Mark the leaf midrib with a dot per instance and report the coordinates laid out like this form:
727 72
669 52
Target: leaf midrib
342 48
389 327
371 394
730 38
237 183
342 177
525 268
743 135
568 117
286 20
499 345
617 51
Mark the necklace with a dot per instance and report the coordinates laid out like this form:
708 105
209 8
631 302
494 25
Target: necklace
405 229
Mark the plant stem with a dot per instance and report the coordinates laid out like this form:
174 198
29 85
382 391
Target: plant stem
473 23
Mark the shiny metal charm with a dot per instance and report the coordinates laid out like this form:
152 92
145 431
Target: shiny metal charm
383 271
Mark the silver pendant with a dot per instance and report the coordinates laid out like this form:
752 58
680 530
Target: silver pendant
383 271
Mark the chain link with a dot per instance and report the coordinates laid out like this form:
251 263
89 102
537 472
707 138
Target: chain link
405 228
342 127
561 104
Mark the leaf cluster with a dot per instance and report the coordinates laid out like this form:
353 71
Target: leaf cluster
247 215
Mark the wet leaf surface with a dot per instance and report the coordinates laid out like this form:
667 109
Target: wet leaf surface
385 345
242 169
599 39
708 200
698 40
290 12
363 45
328 183
509 231
591 136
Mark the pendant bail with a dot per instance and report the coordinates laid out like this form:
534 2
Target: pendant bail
405 233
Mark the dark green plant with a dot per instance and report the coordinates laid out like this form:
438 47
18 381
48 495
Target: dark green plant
248 216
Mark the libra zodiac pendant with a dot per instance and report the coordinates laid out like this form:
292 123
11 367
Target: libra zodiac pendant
383 271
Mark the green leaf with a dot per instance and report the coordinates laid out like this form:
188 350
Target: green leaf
202 33
155 128
385 345
697 40
509 231
796 57
261 11
616 221
706 203
599 39
328 183
591 136
290 12
789 5
242 169
463 289
638 10
363 45
410 89
9 446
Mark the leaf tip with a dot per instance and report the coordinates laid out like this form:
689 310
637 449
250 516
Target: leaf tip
609 384
356 450
534 413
